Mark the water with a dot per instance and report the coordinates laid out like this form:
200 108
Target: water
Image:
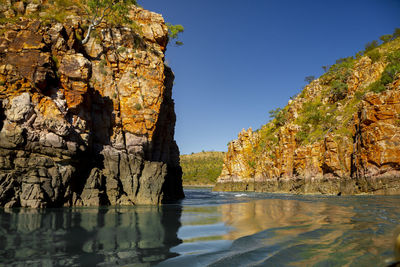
207 229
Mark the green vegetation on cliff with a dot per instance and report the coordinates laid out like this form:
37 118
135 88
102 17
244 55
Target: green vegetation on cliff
95 13
328 104
201 168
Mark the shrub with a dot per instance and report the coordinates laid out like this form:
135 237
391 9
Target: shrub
338 90
359 95
315 119
309 79
326 68
137 106
388 75
371 45
396 33
374 55
392 69
394 57
102 64
252 164
376 87
279 115
55 60
386 38
302 135
312 114
342 69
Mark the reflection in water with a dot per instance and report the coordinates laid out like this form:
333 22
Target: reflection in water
281 230
88 237
252 217
207 229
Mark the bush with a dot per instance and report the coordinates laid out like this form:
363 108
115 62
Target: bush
338 90
302 135
279 115
309 79
396 33
386 38
342 69
392 69
376 87
374 55
371 45
359 95
390 73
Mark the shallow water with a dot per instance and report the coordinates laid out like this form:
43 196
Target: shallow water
207 228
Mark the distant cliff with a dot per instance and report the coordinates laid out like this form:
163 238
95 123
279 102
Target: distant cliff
340 135
84 125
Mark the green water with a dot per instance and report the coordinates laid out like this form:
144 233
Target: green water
207 229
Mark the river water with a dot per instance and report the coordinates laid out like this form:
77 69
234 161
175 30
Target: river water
208 229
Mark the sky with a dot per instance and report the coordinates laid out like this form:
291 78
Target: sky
241 59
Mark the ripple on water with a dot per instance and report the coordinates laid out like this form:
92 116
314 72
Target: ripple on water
207 229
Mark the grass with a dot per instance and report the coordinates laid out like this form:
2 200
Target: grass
202 168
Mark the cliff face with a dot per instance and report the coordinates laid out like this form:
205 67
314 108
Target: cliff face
330 141
86 125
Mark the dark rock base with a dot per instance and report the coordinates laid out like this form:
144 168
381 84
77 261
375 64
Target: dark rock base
383 185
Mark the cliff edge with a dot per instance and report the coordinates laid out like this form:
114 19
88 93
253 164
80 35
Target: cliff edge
340 135
85 125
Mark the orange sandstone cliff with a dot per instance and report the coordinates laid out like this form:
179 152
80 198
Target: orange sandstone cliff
341 135
84 125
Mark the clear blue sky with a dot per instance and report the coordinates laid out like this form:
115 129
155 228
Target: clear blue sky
241 59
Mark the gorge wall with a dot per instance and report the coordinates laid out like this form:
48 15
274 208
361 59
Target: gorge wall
340 135
85 125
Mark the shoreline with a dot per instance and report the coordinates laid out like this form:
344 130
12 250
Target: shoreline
382 185
198 186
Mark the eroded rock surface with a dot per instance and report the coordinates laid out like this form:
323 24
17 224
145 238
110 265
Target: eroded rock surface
86 125
361 157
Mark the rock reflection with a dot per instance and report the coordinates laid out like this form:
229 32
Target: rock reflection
252 217
277 232
87 237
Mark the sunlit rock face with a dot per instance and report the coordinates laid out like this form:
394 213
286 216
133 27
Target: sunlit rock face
86 125
363 158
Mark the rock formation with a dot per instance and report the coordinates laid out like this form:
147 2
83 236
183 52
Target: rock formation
85 125
339 136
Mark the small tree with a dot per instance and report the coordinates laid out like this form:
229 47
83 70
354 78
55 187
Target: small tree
326 68
371 45
173 31
309 79
396 33
386 38
116 11
98 11
280 116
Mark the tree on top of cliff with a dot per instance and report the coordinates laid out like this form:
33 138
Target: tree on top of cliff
117 12
174 31
98 11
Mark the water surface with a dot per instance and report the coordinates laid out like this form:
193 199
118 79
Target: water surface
207 229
